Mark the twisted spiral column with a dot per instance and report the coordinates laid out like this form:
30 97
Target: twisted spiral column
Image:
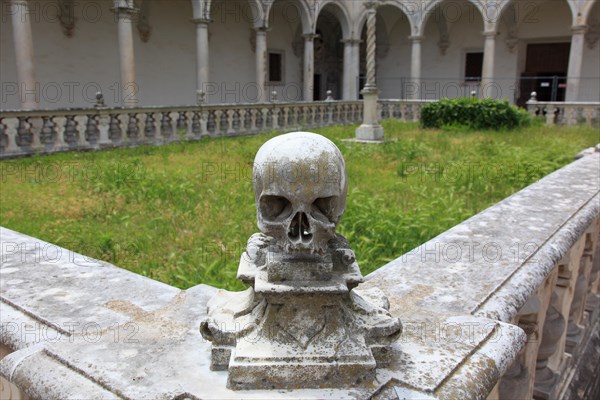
371 47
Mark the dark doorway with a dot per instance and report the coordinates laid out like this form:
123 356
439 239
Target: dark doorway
329 54
545 72
317 87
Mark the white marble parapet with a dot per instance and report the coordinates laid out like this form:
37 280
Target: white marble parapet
82 328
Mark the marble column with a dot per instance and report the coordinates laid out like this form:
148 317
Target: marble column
575 61
370 130
351 67
487 70
202 54
124 10
309 67
261 64
415 67
23 43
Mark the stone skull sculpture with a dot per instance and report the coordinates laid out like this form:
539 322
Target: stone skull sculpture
300 187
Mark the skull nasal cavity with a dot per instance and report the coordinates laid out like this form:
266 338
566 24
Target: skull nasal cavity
299 229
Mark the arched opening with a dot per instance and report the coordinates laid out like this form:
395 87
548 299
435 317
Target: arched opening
232 61
392 52
328 53
533 49
287 22
164 48
452 50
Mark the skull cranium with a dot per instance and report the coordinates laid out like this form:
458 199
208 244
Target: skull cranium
300 187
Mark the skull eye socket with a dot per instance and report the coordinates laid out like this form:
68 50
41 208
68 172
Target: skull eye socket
275 208
323 208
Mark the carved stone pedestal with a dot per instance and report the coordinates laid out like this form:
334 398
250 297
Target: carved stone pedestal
370 130
301 324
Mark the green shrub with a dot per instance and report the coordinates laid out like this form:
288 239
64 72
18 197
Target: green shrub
468 113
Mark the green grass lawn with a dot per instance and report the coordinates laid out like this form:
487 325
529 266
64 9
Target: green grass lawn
182 213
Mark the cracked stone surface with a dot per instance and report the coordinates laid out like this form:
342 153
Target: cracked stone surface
82 328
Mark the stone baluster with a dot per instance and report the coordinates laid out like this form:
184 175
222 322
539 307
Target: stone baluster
81 127
253 114
275 118
230 119
570 113
243 116
532 319
210 122
114 129
3 137
546 378
204 115
264 112
313 115
92 133
416 112
11 135
218 121
295 116
550 114
166 130
576 328
588 114
132 128
517 382
175 135
103 126
286 116
339 109
59 126
196 127
24 137
48 133
181 125
565 287
403 112
70 131
347 112
150 127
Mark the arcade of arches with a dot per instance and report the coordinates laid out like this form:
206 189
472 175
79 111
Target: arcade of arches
169 52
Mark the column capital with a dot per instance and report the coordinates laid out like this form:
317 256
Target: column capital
261 30
489 34
416 38
578 29
201 21
371 6
124 11
351 42
310 36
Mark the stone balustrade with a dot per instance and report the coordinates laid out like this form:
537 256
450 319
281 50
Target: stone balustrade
408 111
502 306
565 113
47 131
